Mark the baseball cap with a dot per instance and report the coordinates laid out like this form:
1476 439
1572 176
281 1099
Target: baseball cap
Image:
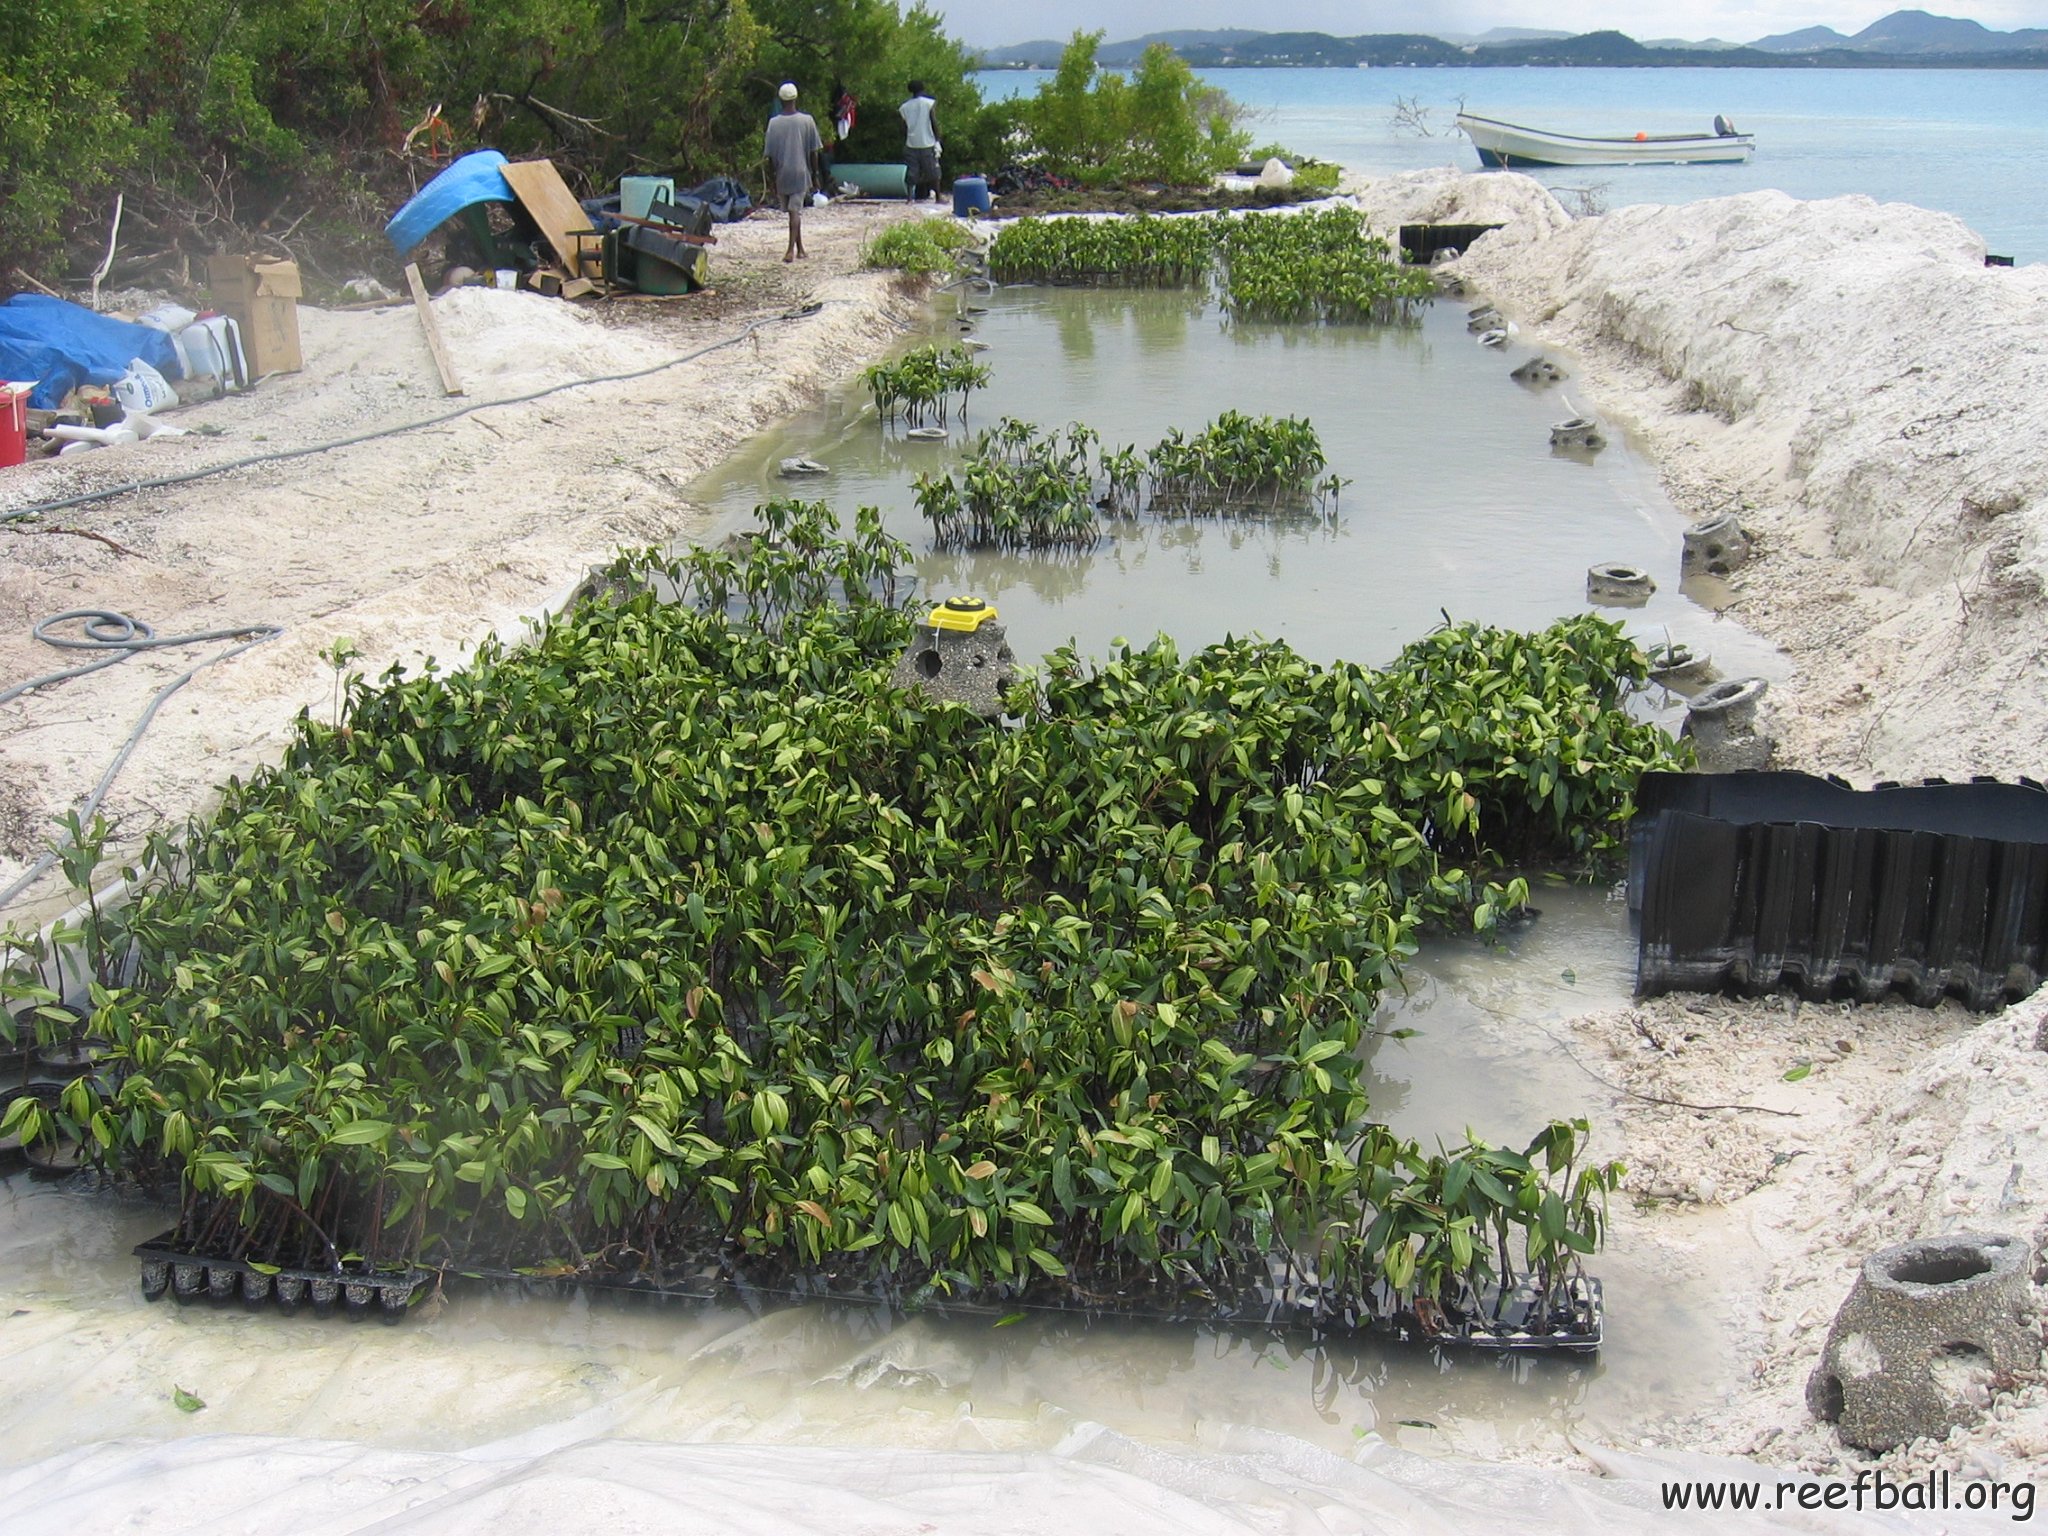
788 91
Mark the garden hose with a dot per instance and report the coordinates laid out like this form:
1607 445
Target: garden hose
118 637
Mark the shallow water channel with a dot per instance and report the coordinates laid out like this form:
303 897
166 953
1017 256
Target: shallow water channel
1459 504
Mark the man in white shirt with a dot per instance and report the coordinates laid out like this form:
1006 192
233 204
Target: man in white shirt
921 142
792 151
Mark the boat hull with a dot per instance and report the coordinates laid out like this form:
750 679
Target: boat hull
1507 146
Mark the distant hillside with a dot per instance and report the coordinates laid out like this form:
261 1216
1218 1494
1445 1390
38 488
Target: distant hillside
1045 53
1902 40
1501 35
1918 32
1907 33
1384 50
1805 40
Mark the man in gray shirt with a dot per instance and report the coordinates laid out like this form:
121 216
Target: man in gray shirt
792 151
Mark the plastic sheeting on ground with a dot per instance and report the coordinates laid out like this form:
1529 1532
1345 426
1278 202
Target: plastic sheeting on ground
571 1477
475 178
62 345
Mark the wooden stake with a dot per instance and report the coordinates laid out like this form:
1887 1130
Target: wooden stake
450 384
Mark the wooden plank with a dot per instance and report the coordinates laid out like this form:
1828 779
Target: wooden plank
450 384
554 209
673 231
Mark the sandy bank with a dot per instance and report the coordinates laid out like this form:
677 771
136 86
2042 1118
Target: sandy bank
1870 399
414 545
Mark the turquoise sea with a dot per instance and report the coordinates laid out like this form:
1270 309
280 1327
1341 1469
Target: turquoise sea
1969 142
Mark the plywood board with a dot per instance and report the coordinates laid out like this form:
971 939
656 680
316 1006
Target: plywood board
449 382
553 208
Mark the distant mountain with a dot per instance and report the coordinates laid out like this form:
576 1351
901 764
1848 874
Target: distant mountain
1714 43
1312 50
1909 33
1044 53
1805 40
1918 32
1902 40
1500 35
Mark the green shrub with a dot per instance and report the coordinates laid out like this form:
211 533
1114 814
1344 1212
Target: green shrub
923 246
922 381
1321 264
1162 124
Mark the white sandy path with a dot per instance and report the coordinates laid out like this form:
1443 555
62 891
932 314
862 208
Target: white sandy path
412 546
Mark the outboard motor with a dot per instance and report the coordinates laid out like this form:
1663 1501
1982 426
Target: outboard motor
1723 129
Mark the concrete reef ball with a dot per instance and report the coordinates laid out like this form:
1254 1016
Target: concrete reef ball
1930 1330
1722 724
1579 432
1624 586
1484 318
1716 545
1538 370
960 668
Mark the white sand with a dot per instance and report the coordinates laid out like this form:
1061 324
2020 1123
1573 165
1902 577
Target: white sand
1872 401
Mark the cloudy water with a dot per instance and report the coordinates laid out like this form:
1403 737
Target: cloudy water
1459 504
1965 141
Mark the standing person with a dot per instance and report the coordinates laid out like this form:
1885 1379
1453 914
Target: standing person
792 150
920 142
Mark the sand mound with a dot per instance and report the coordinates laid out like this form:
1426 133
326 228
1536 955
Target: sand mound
1871 398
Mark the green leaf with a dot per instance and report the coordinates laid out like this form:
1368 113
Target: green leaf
1026 1211
361 1133
186 1402
1799 1072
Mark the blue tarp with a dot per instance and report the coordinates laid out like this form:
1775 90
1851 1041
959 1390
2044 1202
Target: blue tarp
63 345
475 178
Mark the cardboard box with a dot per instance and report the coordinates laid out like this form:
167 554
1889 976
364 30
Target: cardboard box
263 297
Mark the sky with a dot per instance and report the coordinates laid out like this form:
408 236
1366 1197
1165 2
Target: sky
1004 21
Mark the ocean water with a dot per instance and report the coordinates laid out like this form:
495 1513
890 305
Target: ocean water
1971 142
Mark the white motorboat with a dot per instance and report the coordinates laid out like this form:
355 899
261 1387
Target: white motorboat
1508 145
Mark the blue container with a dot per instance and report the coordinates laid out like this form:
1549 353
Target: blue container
970 195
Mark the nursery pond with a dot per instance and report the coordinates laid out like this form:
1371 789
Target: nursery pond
1459 504
95 1361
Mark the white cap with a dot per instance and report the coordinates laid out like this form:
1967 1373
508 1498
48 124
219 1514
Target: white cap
788 91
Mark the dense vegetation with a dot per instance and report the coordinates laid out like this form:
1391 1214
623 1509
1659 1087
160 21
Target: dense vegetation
1319 265
216 116
680 942
924 247
1159 123
304 124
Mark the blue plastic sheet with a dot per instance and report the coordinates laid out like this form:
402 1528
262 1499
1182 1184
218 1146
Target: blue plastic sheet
62 345
475 178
